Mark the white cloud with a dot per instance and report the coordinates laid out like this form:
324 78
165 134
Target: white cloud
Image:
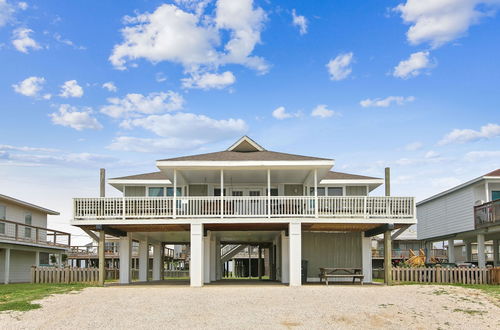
488 131
160 77
379 102
22 41
188 125
300 22
280 113
71 89
6 12
110 86
340 66
25 148
129 143
22 5
30 86
209 80
69 116
413 66
439 22
474 156
134 104
322 111
431 154
193 39
414 146
67 42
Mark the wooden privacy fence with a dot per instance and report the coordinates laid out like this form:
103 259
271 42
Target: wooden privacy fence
446 275
69 275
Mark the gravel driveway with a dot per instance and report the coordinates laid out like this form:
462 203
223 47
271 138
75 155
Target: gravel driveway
262 307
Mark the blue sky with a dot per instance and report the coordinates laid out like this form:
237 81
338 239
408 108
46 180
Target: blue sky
409 84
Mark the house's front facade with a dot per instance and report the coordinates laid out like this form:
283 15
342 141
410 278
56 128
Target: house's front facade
25 240
469 212
293 206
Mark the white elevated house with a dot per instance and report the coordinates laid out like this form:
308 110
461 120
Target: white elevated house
469 212
293 205
25 240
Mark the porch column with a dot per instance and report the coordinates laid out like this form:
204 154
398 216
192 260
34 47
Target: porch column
218 263
268 192
157 261
481 260
366 255
207 251
316 192
387 258
143 260
221 193
174 205
285 259
211 259
428 251
6 276
468 251
496 261
196 264
125 258
295 240
451 251
37 258
249 262
102 257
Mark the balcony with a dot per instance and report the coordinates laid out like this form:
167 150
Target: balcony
487 214
362 207
27 234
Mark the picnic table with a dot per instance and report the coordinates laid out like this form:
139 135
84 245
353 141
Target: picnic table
355 273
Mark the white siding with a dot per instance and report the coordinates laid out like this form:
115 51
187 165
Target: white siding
16 213
20 265
449 214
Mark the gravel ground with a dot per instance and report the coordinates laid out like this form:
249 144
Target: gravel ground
262 307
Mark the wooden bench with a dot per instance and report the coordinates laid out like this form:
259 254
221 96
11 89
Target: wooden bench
354 273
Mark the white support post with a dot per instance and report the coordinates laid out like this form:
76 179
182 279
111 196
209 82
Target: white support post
496 261
366 255
451 251
285 258
316 192
37 258
143 260
59 259
222 193
481 260
196 264
268 192
174 206
125 259
295 241
6 276
102 257
487 191
157 261
259 263
207 264
468 251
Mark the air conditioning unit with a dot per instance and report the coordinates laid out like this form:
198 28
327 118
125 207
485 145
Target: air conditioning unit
478 202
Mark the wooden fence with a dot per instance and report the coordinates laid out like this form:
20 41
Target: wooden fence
446 275
69 275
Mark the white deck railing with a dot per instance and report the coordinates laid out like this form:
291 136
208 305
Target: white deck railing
246 207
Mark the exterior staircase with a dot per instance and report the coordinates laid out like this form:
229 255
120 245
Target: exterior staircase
228 251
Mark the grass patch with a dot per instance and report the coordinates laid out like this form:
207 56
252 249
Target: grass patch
491 290
19 297
470 311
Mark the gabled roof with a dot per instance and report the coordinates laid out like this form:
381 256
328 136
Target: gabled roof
243 156
491 175
27 205
331 175
245 144
145 176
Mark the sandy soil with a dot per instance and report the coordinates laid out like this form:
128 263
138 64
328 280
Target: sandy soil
262 307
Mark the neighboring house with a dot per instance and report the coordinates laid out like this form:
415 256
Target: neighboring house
461 252
25 240
294 206
469 212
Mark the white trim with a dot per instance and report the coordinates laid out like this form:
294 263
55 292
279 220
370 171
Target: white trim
353 182
138 182
247 139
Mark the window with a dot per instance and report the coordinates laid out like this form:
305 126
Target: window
2 217
254 193
274 192
237 193
495 194
170 191
321 191
27 221
334 191
217 192
155 191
